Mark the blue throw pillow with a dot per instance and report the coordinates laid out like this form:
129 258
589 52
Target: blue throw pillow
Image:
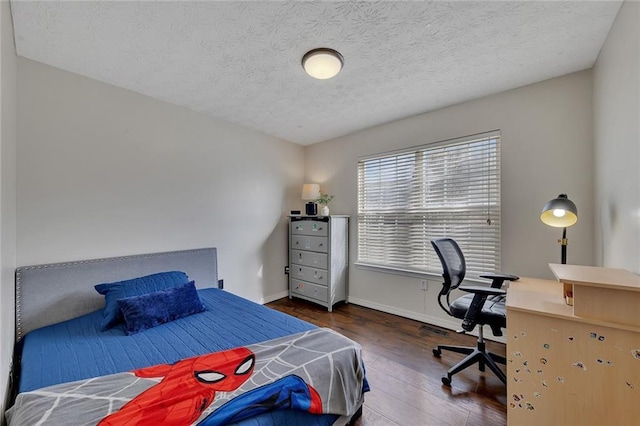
148 310
134 287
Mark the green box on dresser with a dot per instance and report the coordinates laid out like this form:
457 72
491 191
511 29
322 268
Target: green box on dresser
319 258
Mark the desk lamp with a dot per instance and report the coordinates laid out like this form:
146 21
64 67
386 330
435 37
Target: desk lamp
560 213
310 192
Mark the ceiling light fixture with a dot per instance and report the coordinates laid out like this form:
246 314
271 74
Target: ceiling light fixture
322 63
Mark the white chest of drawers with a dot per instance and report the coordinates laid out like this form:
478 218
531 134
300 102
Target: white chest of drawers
318 258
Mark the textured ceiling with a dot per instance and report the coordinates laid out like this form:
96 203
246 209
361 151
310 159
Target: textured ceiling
240 61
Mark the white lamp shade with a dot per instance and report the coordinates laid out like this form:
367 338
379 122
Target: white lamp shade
322 63
310 191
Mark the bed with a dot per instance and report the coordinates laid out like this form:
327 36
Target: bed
226 361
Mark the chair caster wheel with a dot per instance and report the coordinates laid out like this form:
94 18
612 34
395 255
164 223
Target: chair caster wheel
437 353
446 381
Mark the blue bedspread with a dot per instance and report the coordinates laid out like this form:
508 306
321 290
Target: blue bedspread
77 349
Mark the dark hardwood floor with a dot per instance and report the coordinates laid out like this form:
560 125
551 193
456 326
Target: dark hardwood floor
405 377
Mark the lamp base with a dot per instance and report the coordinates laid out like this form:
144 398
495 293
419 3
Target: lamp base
311 209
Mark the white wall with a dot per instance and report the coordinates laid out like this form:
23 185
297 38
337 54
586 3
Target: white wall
616 111
547 149
103 171
7 196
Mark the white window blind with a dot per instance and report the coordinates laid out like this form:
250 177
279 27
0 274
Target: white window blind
447 189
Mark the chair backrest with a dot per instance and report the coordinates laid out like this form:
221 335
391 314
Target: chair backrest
453 264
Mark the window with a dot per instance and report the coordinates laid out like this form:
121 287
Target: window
446 189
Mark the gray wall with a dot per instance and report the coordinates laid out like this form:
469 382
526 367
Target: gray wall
547 149
616 106
103 171
7 195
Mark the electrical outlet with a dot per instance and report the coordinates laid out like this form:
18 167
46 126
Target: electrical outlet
286 270
423 285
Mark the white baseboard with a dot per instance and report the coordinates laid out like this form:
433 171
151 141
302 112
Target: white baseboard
274 297
440 322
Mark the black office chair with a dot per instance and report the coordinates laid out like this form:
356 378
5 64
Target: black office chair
485 306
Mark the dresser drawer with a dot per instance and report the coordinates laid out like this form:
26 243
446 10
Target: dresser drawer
310 227
310 290
305 273
309 258
303 242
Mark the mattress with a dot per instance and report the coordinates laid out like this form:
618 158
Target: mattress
76 349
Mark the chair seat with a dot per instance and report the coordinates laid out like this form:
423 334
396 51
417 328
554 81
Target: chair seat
493 311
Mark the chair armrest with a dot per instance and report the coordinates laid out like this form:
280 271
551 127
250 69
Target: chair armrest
486 291
498 278
480 296
504 277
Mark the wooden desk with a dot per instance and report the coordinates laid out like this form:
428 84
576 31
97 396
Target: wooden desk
607 294
565 369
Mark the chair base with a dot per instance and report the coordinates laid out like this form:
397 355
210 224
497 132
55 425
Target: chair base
478 355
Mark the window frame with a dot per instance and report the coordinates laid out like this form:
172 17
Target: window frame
493 206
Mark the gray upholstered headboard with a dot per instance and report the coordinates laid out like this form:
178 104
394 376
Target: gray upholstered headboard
46 294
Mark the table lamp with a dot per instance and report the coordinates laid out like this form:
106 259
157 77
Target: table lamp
310 192
560 213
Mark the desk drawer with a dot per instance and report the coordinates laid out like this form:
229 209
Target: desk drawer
305 273
307 289
303 242
309 258
316 228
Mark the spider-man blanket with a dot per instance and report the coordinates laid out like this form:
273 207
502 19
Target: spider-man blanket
318 371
